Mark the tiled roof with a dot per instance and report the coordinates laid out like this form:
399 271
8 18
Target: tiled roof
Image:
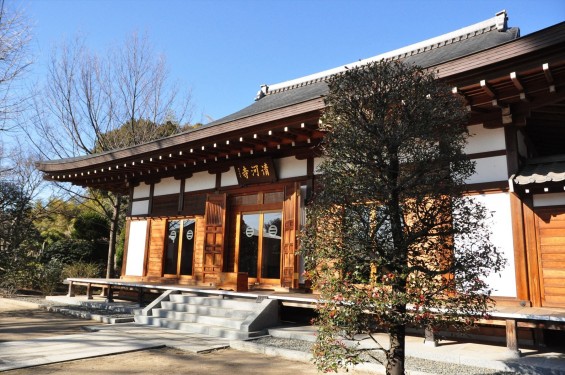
542 171
280 100
426 54
465 46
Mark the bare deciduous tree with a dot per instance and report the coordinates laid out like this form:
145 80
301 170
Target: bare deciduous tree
88 101
15 36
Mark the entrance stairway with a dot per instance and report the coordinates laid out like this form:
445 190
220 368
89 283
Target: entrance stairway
212 315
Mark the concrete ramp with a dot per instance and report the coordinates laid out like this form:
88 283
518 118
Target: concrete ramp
108 340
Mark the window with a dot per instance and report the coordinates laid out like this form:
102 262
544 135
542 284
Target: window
179 247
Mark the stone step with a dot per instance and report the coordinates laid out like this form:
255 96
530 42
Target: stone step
234 323
206 329
206 310
240 304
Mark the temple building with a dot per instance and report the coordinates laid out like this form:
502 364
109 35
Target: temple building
223 204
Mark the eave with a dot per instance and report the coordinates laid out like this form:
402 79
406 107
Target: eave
286 131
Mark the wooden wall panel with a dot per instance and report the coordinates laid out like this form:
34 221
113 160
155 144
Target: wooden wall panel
550 225
520 255
194 204
214 237
165 205
199 249
290 226
156 247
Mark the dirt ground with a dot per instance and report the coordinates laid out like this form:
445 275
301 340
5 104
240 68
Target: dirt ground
175 362
22 323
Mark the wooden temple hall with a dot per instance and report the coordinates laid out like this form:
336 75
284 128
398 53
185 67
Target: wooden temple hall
221 206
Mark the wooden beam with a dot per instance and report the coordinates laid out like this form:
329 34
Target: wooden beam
548 77
518 84
487 89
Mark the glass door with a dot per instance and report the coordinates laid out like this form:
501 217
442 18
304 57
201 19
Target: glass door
260 246
179 248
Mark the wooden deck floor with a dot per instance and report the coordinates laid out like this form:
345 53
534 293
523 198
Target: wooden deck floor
503 312
147 285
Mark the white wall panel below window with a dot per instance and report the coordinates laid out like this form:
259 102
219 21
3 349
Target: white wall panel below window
229 178
489 170
167 186
200 181
549 199
291 167
484 140
503 284
140 207
141 191
136 248
317 162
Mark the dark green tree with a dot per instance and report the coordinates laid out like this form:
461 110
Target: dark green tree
91 226
18 236
391 240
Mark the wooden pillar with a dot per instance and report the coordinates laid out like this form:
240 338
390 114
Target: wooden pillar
89 291
531 238
429 336
110 296
71 292
512 338
539 339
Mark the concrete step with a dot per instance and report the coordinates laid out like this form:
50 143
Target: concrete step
235 323
213 301
206 310
295 332
212 315
206 329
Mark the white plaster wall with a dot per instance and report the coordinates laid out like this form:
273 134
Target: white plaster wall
317 162
200 181
290 167
549 199
140 207
503 284
167 186
229 178
141 191
136 248
484 140
489 169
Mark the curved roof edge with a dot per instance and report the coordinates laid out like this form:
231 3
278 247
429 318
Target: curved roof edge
498 22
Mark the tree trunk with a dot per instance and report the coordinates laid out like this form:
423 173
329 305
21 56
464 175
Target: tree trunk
113 236
396 354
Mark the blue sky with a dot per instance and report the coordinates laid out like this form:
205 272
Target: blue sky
224 50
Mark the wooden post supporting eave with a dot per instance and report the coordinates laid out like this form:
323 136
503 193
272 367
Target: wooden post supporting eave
512 338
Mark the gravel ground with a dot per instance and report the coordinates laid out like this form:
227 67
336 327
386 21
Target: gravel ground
413 364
